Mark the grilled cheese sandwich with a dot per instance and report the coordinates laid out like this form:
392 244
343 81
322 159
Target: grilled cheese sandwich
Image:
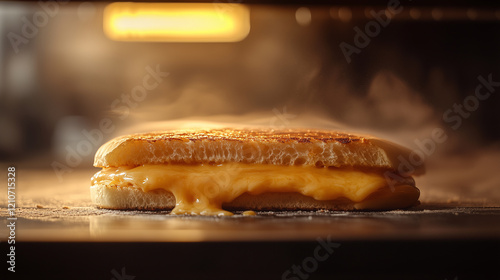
208 172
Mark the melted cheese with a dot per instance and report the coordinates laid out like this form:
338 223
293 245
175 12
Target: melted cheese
202 189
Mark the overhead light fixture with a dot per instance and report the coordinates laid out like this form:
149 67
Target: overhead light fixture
176 22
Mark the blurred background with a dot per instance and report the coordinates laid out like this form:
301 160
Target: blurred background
71 80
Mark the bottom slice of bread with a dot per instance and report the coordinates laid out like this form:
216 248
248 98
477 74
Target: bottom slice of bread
113 197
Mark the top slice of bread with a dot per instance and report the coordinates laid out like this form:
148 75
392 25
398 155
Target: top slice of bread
258 146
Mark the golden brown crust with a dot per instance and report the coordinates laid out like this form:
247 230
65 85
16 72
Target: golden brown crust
263 146
249 135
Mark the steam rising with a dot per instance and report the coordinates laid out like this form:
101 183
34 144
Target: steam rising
457 170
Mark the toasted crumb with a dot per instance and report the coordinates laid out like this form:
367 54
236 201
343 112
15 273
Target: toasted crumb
65 207
39 206
249 213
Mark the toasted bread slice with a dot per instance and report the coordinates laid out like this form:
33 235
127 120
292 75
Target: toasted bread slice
285 147
112 197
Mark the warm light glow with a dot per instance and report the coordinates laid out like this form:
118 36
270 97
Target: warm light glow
176 22
303 16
